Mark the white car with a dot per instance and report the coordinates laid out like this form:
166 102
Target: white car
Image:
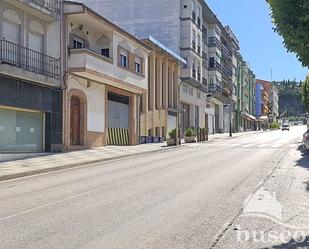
306 140
285 127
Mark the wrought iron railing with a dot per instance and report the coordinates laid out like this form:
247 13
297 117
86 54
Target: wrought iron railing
50 5
28 59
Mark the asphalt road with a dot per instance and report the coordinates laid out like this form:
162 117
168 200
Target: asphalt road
183 198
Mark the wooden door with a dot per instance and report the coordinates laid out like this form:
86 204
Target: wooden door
75 121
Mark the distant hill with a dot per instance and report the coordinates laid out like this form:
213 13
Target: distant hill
290 98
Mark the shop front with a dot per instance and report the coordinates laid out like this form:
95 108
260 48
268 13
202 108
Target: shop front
30 117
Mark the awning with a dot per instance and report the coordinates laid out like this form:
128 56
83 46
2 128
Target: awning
251 117
263 118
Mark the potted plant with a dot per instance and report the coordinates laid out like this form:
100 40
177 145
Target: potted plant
171 140
190 136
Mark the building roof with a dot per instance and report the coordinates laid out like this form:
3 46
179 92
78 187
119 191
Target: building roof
157 46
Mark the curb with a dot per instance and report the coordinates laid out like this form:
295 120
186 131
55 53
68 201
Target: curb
75 165
87 163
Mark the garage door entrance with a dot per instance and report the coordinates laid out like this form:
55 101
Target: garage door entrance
21 131
118 119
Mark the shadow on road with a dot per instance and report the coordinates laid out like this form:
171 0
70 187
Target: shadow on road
303 243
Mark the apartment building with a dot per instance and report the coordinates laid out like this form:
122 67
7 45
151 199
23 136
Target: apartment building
160 109
246 98
31 76
107 75
273 94
178 25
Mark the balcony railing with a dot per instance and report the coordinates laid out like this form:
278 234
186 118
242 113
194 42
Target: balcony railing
214 88
227 71
28 59
214 42
53 6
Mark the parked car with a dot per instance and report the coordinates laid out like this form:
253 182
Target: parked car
285 127
306 140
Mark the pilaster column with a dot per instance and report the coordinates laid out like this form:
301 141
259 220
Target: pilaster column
165 84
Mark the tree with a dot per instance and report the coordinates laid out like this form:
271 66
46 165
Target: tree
291 19
305 93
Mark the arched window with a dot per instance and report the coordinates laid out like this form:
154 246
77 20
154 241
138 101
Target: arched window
11 26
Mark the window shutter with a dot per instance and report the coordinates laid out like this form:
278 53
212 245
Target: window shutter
143 66
71 40
131 61
118 56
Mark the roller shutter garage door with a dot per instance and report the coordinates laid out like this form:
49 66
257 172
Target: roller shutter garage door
118 119
21 131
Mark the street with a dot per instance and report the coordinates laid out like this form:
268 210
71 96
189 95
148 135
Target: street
183 198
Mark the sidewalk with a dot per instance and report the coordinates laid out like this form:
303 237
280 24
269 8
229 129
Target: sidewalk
278 212
53 162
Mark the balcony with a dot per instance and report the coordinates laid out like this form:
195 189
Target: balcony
27 59
222 94
49 5
214 42
48 10
227 72
215 66
225 51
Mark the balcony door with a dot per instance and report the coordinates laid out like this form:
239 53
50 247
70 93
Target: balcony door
35 52
10 44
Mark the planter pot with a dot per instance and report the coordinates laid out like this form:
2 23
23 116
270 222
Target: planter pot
171 141
190 139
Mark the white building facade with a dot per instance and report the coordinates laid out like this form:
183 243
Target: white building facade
107 73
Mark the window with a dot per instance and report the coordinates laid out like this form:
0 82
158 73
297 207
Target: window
211 62
185 89
199 95
199 16
193 39
138 65
211 81
78 42
105 52
191 91
124 58
193 10
198 43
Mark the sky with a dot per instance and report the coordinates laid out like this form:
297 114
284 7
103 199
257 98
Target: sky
260 46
